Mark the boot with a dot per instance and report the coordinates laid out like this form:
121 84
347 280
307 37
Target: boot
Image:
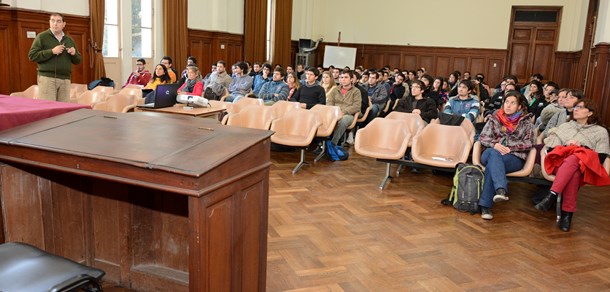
565 221
548 201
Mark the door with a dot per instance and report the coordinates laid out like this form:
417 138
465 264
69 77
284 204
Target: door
534 32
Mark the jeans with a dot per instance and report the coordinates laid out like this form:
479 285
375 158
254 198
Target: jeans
374 111
342 125
496 167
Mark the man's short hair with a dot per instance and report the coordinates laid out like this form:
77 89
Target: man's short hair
366 73
538 76
313 70
551 83
466 83
221 62
348 72
168 58
192 58
141 60
57 14
401 75
281 71
242 65
374 73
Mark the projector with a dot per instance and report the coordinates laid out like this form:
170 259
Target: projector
193 100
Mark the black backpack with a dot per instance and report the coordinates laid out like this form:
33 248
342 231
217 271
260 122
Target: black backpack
467 188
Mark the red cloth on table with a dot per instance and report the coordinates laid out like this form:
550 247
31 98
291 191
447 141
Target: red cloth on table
593 171
16 111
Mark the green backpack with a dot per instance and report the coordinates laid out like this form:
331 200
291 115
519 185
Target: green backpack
467 188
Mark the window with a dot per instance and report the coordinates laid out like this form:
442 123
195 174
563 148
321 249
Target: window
110 48
141 28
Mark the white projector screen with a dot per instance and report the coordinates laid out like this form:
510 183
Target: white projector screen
339 57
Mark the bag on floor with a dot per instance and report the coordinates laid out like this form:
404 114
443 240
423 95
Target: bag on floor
335 152
467 188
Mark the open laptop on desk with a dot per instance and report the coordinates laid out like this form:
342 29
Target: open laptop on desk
165 96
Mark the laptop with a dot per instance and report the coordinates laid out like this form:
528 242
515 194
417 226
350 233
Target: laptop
165 96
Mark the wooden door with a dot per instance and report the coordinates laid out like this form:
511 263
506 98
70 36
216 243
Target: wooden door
532 42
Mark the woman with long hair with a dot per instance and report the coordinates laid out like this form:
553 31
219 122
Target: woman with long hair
160 76
579 148
328 82
293 84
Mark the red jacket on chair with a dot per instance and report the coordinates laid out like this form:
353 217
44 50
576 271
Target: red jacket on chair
593 171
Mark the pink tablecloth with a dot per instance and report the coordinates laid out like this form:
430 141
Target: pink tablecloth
16 111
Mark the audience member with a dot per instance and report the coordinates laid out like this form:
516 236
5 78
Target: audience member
328 82
168 63
219 76
276 89
508 135
192 85
263 77
140 76
418 104
190 61
241 83
293 85
572 97
378 95
348 99
310 93
464 104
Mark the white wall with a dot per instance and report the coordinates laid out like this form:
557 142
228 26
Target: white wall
216 15
439 23
79 7
602 34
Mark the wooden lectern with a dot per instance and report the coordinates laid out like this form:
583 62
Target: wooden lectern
160 203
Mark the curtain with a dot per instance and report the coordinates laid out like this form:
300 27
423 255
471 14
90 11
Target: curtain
283 33
96 10
255 30
175 32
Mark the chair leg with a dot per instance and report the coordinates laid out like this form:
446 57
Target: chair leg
321 153
398 170
301 163
386 178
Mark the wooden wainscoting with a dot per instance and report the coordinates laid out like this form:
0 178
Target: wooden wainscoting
566 65
598 87
210 46
19 72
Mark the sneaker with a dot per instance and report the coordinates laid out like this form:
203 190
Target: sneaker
500 195
350 138
486 213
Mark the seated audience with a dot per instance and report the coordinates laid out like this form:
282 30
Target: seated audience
219 76
497 101
276 89
328 82
168 63
437 86
192 85
377 93
508 135
190 61
464 104
547 113
572 97
263 77
418 104
310 93
293 85
139 77
536 92
579 162
241 83
160 77
397 90
348 99
543 101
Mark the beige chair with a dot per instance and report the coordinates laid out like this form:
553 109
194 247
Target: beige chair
365 115
240 105
30 92
441 146
414 122
296 129
105 89
389 104
328 116
253 116
281 107
91 97
527 169
383 139
76 89
133 90
551 177
118 103
225 95
466 125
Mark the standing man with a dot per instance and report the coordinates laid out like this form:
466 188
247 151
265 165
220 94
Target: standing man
55 53
139 77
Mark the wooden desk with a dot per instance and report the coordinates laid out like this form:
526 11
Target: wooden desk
179 110
159 203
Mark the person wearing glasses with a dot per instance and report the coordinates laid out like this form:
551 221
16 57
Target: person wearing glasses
140 76
579 148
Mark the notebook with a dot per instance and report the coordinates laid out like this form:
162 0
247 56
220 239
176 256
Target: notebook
165 96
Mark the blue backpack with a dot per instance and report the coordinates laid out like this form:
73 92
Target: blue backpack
335 152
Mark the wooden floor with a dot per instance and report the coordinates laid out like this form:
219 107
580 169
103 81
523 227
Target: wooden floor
332 229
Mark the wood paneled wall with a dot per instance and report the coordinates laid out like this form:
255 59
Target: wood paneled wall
566 66
598 80
209 47
18 72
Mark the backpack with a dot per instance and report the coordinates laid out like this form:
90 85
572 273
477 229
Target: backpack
100 82
467 188
335 152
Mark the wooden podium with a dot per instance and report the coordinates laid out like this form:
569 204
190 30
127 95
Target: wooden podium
160 203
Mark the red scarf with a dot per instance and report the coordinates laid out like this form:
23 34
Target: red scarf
509 121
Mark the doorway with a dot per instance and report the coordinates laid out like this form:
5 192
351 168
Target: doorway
532 41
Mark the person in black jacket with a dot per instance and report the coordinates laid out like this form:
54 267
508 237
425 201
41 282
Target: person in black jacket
310 93
418 104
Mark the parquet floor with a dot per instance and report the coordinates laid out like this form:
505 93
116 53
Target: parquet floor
332 229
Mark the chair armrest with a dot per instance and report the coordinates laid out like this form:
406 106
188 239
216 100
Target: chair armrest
476 154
